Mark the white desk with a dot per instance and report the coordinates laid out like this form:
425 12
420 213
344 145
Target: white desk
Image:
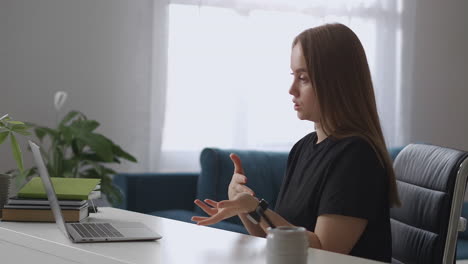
181 243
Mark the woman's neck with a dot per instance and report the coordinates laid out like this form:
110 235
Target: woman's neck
320 134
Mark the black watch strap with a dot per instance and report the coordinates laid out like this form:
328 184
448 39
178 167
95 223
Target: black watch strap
262 207
256 215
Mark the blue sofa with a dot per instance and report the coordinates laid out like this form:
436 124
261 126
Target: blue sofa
171 195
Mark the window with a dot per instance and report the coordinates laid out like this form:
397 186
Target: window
229 74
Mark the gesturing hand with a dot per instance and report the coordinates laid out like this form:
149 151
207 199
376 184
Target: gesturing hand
238 181
241 203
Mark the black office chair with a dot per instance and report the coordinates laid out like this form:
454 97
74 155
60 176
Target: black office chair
431 183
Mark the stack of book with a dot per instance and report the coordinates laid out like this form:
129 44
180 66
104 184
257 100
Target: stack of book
31 202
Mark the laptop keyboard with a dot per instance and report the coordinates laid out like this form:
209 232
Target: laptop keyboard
96 230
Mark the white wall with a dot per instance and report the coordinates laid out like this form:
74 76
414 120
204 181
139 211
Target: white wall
435 72
99 51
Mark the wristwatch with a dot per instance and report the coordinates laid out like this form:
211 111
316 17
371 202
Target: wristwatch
253 216
256 215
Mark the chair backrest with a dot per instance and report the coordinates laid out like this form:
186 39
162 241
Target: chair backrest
264 170
431 182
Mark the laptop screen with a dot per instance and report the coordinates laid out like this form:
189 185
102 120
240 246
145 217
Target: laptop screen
49 188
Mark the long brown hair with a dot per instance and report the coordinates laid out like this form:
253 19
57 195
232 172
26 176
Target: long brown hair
339 72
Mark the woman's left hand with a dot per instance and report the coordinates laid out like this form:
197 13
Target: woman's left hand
218 211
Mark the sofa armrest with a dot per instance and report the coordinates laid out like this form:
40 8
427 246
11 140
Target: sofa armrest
148 192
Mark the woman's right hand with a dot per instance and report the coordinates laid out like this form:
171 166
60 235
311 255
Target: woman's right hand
238 181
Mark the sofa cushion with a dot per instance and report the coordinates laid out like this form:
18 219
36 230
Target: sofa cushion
393 152
264 170
185 216
148 192
462 249
464 213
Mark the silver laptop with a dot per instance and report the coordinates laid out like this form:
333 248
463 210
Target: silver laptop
89 231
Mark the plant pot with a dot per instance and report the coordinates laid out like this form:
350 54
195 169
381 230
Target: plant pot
5 180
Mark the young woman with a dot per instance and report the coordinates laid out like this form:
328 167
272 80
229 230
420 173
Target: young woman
339 182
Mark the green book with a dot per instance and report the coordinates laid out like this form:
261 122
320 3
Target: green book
65 188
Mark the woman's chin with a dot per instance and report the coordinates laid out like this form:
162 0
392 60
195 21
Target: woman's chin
301 116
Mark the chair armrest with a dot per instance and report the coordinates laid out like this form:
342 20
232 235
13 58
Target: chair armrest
150 192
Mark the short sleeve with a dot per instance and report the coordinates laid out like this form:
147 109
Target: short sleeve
356 183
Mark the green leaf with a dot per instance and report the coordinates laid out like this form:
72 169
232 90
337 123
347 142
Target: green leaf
92 173
40 133
75 147
21 129
50 169
15 122
57 156
51 132
68 165
20 177
16 152
109 170
91 157
91 125
23 132
68 117
30 172
84 126
3 136
99 144
121 153
67 134
96 165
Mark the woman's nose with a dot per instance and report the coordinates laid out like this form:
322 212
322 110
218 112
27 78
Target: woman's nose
293 89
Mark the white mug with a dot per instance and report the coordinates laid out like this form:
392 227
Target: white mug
287 245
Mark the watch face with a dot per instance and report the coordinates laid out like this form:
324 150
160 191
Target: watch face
263 204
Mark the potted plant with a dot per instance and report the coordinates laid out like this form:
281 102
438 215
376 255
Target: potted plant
72 149
10 128
75 149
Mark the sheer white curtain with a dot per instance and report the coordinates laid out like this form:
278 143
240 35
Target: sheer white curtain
228 72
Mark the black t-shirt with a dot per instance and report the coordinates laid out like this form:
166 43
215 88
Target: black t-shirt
342 177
